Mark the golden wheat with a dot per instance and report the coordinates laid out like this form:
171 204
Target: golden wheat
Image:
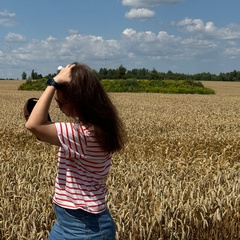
176 178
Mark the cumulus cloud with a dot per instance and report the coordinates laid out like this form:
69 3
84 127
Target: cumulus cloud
6 19
6 13
7 22
140 13
232 52
73 31
229 32
14 37
52 51
140 8
91 45
148 36
147 3
197 26
149 44
192 42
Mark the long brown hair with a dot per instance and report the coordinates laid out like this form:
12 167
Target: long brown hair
92 105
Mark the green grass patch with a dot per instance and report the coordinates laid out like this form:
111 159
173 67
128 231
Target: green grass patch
33 85
156 86
132 85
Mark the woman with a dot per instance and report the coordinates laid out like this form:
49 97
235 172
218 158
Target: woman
84 157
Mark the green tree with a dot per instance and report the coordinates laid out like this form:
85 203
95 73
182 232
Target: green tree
154 74
121 72
103 73
34 74
24 75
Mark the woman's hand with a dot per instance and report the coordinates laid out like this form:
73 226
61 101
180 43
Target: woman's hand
64 76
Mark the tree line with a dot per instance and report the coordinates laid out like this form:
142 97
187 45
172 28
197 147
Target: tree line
142 73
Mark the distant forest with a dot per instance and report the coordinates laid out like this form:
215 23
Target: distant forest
143 73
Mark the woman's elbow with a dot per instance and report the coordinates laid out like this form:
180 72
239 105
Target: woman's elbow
29 126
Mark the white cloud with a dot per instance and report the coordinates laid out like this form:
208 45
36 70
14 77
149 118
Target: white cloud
208 29
147 3
90 45
6 13
151 46
6 22
196 25
232 52
193 42
14 37
140 13
52 51
143 37
51 38
73 31
229 32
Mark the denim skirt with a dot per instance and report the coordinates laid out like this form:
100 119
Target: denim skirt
81 225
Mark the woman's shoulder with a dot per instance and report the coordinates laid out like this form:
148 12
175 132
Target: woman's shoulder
86 129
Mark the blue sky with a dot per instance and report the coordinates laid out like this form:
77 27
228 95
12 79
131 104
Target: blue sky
186 36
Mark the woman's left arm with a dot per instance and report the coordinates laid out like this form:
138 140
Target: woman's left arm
38 123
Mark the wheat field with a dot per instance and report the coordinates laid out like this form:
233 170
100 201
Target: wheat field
177 177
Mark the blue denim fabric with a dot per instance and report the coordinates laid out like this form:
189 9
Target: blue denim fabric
81 225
